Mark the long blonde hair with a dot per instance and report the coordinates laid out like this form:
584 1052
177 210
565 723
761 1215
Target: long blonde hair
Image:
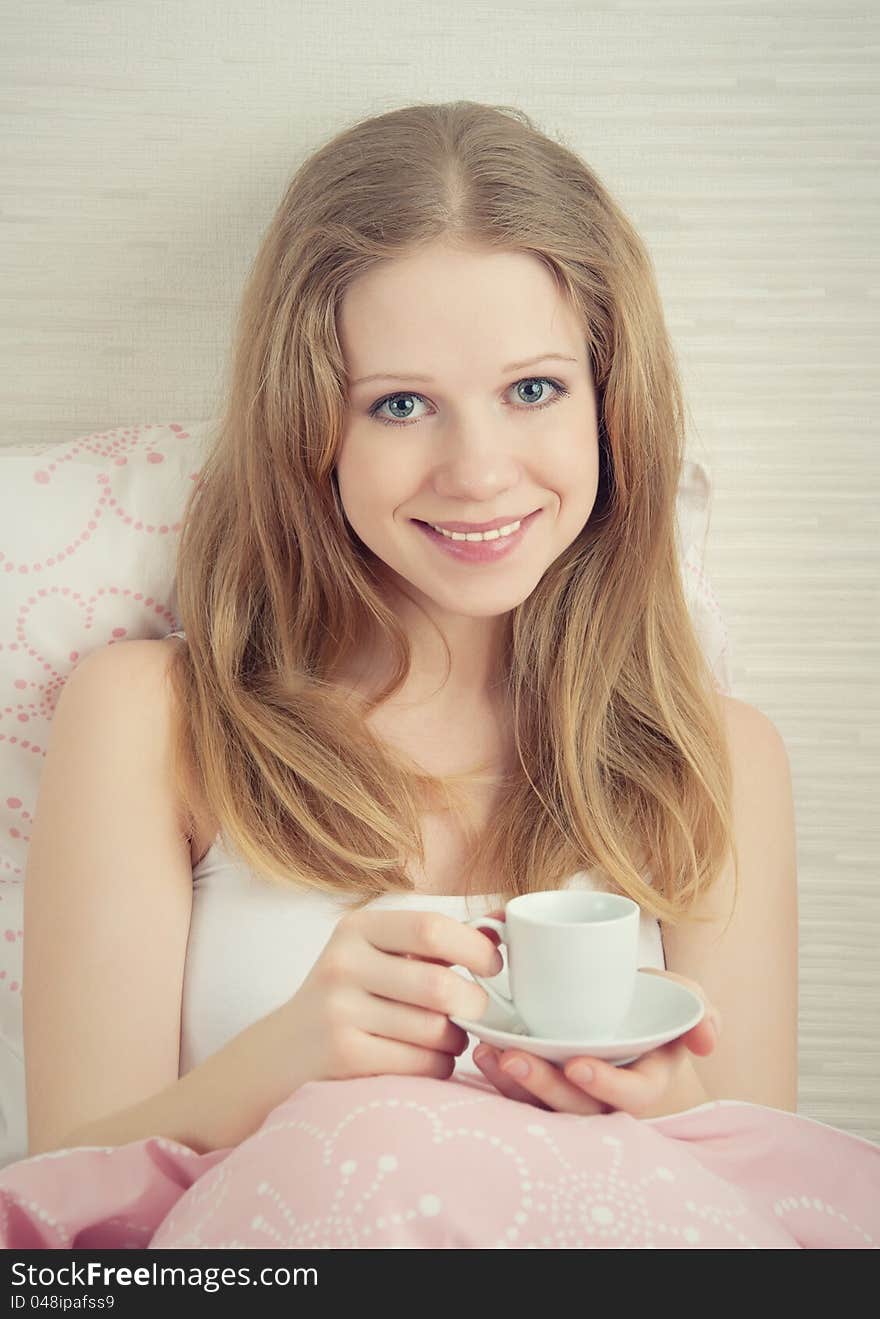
622 762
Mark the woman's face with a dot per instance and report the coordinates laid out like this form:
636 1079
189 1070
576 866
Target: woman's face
475 439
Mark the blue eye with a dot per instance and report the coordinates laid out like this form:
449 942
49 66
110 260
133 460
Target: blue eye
561 392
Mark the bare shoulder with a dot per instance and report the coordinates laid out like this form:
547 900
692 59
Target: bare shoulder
139 658
139 673
750 730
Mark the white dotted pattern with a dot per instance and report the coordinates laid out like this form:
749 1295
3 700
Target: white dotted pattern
397 1162
471 1172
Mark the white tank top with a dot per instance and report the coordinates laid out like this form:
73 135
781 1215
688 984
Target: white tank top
252 944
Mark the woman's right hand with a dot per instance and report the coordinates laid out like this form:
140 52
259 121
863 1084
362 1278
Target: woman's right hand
379 998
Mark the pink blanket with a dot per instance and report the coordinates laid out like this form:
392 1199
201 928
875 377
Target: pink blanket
395 1161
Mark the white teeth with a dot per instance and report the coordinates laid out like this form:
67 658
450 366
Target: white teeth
479 535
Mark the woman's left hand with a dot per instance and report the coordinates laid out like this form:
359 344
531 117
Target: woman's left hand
637 1088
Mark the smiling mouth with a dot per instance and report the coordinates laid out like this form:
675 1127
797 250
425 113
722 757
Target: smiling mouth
482 549
477 528
461 529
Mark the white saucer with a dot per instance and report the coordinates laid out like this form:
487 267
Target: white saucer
661 1010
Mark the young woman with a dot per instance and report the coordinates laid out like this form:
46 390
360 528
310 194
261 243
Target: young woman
367 729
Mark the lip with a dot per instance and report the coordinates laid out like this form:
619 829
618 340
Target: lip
471 551
478 526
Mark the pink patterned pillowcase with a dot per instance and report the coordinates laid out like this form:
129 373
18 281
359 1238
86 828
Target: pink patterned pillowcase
87 551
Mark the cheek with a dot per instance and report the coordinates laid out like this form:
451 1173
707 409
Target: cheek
575 476
576 484
375 490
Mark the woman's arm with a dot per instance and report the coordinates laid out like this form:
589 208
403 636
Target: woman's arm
750 973
215 1106
107 899
108 902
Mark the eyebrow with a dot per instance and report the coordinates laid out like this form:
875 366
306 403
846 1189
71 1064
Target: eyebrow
429 380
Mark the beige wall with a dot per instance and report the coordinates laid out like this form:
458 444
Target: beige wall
145 146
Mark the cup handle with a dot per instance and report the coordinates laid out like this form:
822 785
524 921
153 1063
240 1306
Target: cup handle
478 922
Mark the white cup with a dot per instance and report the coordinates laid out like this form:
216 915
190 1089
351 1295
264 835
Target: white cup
572 959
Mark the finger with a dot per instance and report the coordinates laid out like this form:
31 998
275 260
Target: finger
634 1088
488 1065
702 1038
545 1082
493 934
430 935
395 1020
423 985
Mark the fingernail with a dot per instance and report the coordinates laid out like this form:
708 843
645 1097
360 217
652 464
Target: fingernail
516 1067
582 1073
482 1054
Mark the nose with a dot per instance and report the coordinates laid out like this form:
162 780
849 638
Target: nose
477 467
